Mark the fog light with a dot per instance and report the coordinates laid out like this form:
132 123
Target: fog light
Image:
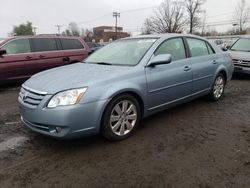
52 130
58 129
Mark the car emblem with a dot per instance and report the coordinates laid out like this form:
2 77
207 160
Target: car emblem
240 61
25 96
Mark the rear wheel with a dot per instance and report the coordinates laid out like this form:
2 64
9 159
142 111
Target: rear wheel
218 88
121 117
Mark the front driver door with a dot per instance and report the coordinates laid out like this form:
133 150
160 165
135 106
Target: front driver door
19 62
171 82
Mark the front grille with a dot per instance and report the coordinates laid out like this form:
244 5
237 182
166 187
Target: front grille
31 97
242 63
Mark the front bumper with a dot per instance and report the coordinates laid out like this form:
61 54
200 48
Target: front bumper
242 69
64 122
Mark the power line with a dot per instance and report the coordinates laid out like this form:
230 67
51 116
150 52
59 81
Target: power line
222 14
138 9
121 12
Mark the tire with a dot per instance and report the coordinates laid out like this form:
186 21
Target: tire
121 118
218 88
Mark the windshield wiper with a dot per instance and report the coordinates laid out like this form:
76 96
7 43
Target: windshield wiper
103 63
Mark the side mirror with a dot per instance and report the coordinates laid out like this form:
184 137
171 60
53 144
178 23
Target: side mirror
90 52
2 52
160 60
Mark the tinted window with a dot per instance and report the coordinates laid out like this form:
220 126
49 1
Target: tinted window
70 44
175 47
242 45
45 44
197 47
17 46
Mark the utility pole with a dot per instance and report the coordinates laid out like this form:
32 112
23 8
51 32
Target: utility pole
116 15
34 30
58 28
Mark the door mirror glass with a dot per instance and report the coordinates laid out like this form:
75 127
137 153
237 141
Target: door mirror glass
2 52
160 60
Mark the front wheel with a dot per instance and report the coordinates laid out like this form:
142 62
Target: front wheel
121 117
217 88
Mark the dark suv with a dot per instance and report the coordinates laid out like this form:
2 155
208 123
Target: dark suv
21 57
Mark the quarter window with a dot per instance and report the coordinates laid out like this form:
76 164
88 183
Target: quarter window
71 44
210 49
17 46
45 44
175 47
197 47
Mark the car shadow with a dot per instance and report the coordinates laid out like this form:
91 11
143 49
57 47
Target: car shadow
239 76
10 86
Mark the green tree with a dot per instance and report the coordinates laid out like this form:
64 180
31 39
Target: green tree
23 29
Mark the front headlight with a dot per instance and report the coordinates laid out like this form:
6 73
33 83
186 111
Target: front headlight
69 97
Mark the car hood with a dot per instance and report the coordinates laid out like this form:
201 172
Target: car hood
240 55
74 76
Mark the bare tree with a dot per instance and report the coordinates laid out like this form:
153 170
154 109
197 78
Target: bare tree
194 9
242 15
168 18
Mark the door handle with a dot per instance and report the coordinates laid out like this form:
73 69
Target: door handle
66 59
41 56
187 68
214 62
28 57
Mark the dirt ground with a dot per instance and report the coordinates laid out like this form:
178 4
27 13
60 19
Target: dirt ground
198 144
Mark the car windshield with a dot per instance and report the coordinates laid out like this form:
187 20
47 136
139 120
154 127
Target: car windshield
123 52
242 45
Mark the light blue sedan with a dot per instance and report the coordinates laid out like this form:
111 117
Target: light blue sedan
125 81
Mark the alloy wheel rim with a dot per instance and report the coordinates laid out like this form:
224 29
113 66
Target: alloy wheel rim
218 87
123 117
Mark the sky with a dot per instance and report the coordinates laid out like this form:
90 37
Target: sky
45 14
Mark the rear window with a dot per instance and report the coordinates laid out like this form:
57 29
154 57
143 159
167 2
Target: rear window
71 44
45 44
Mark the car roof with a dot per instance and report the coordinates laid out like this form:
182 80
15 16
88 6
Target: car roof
40 36
166 35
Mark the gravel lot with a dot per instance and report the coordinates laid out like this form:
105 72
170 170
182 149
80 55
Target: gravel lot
198 144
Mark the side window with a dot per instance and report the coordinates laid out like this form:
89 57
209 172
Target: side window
175 47
17 46
210 49
71 44
197 47
45 44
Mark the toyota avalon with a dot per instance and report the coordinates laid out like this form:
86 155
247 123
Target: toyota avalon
123 82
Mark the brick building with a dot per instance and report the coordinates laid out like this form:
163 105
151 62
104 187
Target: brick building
106 33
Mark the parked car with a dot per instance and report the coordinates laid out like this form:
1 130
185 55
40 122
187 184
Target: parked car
21 57
240 52
94 46
121 83
222 45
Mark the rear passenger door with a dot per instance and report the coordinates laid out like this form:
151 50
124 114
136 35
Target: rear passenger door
19 62
204 64
73 50
47 52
